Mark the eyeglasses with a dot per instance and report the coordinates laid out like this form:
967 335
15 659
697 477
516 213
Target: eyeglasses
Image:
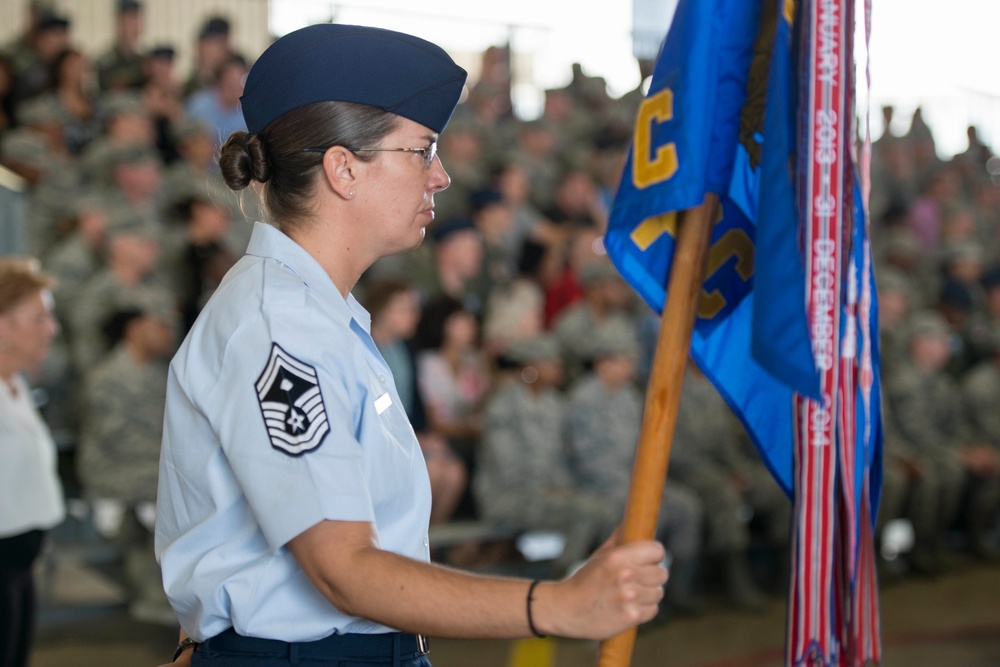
427 153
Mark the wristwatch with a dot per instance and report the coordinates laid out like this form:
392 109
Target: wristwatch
187 641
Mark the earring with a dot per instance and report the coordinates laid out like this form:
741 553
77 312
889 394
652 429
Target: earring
350 194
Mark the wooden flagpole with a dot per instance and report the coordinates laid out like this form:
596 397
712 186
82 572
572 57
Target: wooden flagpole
663 394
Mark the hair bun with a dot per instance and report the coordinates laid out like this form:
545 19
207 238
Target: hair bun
258 158
243 159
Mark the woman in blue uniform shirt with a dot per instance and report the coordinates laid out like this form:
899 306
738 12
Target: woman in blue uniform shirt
293 499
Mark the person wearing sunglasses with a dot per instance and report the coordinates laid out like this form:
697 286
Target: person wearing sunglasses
293 499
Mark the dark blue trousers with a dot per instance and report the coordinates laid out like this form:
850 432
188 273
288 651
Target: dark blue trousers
229 649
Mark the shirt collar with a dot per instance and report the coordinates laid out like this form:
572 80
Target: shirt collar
269 242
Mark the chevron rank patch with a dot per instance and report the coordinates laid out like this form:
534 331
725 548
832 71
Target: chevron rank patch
291 402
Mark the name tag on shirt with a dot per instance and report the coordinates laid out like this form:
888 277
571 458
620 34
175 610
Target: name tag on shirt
382 403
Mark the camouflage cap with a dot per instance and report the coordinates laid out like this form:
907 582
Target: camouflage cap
902 241
41 111
123 220
131 154
26 147
87 201
121 103
891 280
927 323
155 303
190 127
962 251
534 350
615 338
593 273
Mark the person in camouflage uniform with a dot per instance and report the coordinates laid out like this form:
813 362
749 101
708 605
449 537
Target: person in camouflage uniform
120 67
981 394
37 151
711 459
926 410
607 299
72 261
523 478
133 253
119 450
603 424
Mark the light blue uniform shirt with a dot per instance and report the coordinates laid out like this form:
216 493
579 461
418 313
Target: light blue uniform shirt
280 413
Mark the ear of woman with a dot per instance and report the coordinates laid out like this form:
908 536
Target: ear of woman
340 171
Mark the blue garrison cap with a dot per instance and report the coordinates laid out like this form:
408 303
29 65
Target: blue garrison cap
405 75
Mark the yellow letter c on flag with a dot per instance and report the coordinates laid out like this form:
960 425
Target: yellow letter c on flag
646 169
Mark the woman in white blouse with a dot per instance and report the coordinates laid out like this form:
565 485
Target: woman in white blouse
30 494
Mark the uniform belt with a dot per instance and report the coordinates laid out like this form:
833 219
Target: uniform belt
387 646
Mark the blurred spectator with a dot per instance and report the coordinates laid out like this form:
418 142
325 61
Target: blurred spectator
135 184
212 49
127 124
32 61
981 393
133 253
523 479
535 150
218 106
939 190
31 500
576 202
462 148
604 418
163 98
70 84
923 150
928 415
894 312
607 299
452 373
119 450
511 180
710 458
395 310
198 258
457 261
491 215
121 66
8 107
80 255
514 311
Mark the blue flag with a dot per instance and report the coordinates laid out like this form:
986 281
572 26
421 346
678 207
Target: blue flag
717 119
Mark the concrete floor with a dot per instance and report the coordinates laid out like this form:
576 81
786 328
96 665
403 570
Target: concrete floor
953 621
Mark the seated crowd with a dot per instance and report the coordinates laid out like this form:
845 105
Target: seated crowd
518 351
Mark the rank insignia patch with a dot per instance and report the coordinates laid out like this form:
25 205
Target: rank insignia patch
292 405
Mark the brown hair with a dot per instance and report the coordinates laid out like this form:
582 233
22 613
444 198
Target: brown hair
275 157
20 278
378 295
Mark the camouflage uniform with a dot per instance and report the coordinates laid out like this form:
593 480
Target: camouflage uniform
98 300
707 454
119 448
575 330
118 460
709 458
523 478
603 428
117 70
981 394
926 412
